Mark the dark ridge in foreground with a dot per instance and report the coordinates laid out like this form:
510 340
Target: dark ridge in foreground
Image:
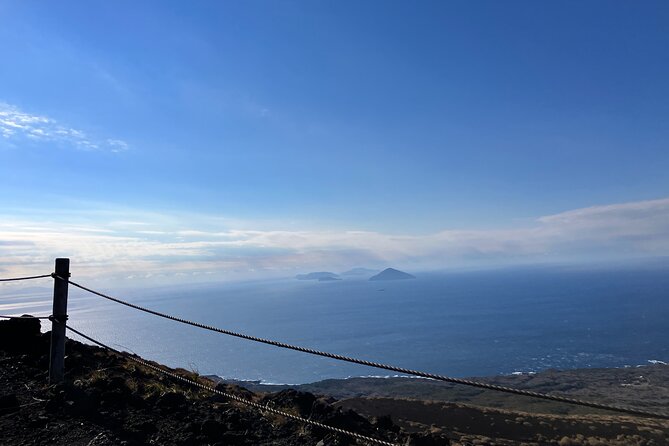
109 400
466 413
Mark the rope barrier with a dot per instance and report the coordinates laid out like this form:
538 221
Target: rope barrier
24 317
262 407
12 279
462 381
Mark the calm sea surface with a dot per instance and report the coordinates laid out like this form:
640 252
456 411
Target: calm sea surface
460 324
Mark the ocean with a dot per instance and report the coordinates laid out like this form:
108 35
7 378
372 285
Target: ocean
460 323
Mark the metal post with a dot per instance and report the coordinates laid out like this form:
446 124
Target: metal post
57 358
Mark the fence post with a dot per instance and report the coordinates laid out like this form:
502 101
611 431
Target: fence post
57 356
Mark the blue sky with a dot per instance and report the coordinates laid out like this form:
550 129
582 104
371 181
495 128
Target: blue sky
267 137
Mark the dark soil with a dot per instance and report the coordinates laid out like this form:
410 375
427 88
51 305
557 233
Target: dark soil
107 399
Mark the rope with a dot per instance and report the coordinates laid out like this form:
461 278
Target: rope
25 278
24 317
262 407
378 365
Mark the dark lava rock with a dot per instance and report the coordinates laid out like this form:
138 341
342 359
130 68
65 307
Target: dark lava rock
346 419
113 398
233 438
53 405
302 401
212 429
20 335
103 439
105 400
141 427
428 440
171 400
79 401
233 390
385 423
8 403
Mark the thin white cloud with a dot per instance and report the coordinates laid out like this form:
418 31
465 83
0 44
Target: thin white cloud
618 219
145 244
17 125
116 145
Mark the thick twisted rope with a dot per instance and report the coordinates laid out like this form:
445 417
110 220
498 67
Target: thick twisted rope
466 382
262 407
12 279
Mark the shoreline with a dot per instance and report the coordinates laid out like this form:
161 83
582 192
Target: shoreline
643 386
260 382
108 400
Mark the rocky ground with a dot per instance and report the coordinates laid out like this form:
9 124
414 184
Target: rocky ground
643 387
107 399
471 416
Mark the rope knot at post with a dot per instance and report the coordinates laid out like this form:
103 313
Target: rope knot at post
53 318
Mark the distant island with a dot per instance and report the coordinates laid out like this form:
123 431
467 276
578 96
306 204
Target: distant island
321 276
359 272
328 278
392 274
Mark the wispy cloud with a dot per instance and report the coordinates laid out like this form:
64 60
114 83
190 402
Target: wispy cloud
17 125
171 248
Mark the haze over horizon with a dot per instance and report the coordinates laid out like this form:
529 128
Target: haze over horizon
256 139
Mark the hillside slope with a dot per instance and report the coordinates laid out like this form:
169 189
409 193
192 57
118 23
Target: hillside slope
108 399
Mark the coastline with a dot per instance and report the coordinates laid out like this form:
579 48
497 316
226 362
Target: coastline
628 385
257 382
107 400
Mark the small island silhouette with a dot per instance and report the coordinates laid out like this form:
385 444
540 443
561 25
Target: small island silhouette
392 274
321 276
